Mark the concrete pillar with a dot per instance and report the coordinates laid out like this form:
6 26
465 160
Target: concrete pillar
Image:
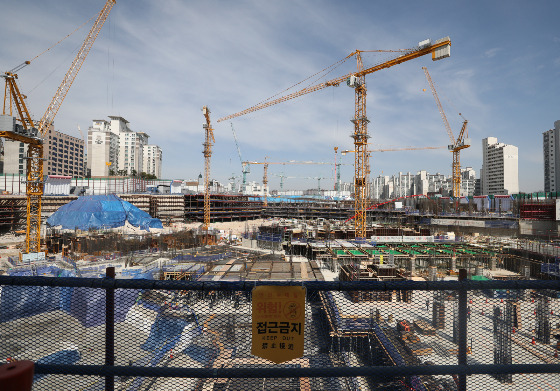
493 262
526 272
432 273
478 270
412 266
453 265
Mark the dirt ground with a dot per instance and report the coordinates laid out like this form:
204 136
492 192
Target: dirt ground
236 227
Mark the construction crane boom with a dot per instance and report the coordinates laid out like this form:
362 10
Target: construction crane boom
70 76
395 149
245 169
456 145
439 49
440 107
409 55
208 142
34 185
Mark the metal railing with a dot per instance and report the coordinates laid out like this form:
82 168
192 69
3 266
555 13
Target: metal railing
202 303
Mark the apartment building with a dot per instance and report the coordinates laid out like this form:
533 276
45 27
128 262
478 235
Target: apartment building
120 150
551 155
152 158
499 174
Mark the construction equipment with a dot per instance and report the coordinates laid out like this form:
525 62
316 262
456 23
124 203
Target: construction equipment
394 149
245 169
265 173
208 142
456 145
336 172
32 135
282 177
440 49
318 181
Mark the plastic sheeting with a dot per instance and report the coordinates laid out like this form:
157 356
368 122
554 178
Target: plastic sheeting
88 305
23 301
101 211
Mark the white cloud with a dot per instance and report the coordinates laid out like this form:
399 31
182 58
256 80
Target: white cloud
492 52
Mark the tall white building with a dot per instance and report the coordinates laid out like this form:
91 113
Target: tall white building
103 149
499 174
122 147
152 160
551 154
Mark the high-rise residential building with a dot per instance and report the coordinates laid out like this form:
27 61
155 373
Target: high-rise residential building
388 187
103 148
499 174
152 160
551 154
468 181
121 146
63 154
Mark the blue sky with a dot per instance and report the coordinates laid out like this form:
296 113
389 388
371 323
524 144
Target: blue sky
156 63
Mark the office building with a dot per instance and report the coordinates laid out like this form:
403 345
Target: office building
63 154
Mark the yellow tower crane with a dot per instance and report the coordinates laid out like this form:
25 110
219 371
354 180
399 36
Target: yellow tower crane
456 145
439 49
33 136
208 142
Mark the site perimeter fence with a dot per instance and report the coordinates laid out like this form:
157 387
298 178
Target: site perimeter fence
93 334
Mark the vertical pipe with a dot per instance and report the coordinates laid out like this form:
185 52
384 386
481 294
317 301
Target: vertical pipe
462 345
109 329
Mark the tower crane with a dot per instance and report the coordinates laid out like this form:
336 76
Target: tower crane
282 177
440 49
33 135
394 149
245 169
336 172
265 172
318 181
456 145
208 142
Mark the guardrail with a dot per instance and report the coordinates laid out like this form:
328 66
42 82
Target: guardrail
140 332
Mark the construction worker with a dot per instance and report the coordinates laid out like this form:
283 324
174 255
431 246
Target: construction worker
427 304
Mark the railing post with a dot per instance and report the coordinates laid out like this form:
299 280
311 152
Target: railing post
109 329
462 351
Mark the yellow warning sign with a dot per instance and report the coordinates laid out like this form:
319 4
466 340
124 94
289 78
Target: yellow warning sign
278 322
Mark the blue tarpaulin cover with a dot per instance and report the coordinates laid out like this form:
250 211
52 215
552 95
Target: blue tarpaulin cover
101 211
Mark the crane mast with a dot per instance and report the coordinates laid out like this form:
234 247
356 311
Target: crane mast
456 144
361 157
208 142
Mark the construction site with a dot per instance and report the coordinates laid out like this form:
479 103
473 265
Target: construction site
209 238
